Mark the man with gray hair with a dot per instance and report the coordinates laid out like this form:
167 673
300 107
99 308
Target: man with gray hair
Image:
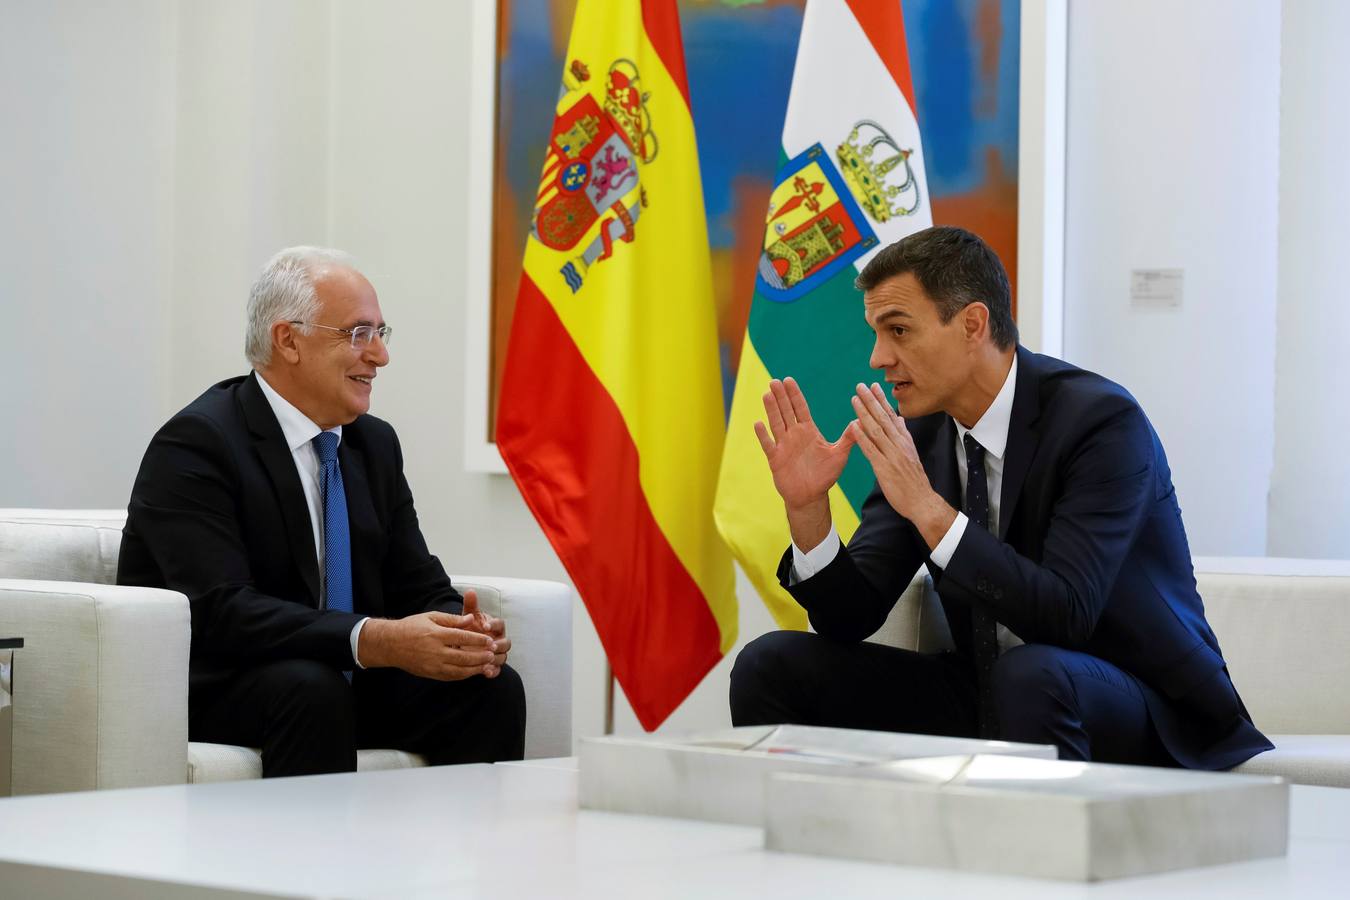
278 505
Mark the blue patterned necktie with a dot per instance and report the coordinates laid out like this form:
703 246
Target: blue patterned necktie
337 541
984 630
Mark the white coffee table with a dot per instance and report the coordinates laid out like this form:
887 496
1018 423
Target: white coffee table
515 831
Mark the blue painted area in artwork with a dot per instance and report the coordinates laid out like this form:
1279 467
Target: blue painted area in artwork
957 127
739 62
867 237
940 60
525 107
1004 131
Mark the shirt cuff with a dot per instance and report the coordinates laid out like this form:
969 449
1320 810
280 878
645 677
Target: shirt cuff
356 637
804 565
942 553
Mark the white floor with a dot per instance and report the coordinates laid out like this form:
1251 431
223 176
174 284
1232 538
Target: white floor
515 831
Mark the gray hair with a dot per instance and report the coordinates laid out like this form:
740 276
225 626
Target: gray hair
284 292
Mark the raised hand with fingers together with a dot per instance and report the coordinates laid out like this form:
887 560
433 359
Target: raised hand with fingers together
884 439
804 464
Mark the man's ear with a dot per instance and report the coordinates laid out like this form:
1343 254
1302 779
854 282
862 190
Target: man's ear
975 321
284 343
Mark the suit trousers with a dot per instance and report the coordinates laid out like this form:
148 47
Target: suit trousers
1085 706
309 720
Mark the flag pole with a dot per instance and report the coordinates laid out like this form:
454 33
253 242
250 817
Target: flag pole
609 698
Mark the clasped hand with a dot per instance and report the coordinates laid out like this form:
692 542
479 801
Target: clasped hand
439 645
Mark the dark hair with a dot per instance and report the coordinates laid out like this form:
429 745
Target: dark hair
955 269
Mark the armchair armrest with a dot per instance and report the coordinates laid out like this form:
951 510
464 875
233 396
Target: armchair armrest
538 616
917 621
100 687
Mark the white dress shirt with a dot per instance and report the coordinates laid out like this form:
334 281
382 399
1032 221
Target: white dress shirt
991 432
299 433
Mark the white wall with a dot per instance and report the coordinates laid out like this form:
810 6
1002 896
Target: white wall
86 216
1310 486
1173 159
252 176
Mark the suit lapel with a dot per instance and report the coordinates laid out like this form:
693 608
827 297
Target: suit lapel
280 465
1022 438
940 463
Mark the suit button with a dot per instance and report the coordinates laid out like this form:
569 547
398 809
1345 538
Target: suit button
998 593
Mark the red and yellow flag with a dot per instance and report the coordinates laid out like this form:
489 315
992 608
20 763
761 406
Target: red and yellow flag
611 417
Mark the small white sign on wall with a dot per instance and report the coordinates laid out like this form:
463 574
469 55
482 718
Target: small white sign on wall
1156 287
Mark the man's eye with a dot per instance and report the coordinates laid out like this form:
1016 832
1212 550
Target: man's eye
897 330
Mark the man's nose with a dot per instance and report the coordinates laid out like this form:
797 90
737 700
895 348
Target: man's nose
377 352
880 358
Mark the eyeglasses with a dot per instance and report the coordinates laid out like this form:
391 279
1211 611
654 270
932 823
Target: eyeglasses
362 335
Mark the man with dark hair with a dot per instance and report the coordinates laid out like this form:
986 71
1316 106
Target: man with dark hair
1039 497
956 268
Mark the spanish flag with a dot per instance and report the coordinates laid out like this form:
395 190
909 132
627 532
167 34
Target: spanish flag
611 418
851 181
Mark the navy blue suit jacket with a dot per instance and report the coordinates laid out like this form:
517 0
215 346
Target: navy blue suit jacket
1091 555
218 513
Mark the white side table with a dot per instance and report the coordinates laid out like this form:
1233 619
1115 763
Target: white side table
7 647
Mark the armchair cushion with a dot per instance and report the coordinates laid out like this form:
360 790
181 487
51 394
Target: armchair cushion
1284 626
61 545
1305 759
917 621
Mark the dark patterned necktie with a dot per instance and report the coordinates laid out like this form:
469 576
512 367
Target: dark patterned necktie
984 630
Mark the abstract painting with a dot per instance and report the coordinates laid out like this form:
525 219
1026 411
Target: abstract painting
964 59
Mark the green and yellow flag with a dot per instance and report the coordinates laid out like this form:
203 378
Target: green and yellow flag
851 180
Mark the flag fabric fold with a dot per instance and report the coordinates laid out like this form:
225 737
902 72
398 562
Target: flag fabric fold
611 415
850 181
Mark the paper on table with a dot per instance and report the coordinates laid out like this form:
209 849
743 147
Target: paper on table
849 747
828 745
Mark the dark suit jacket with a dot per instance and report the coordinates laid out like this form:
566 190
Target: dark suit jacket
217 512
1091 555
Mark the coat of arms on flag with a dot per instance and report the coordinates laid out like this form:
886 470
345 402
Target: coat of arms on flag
814 228
592 164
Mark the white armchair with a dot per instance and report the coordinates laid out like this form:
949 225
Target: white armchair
101 683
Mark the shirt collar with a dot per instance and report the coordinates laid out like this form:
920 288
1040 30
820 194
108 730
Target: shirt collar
992 430
296 427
